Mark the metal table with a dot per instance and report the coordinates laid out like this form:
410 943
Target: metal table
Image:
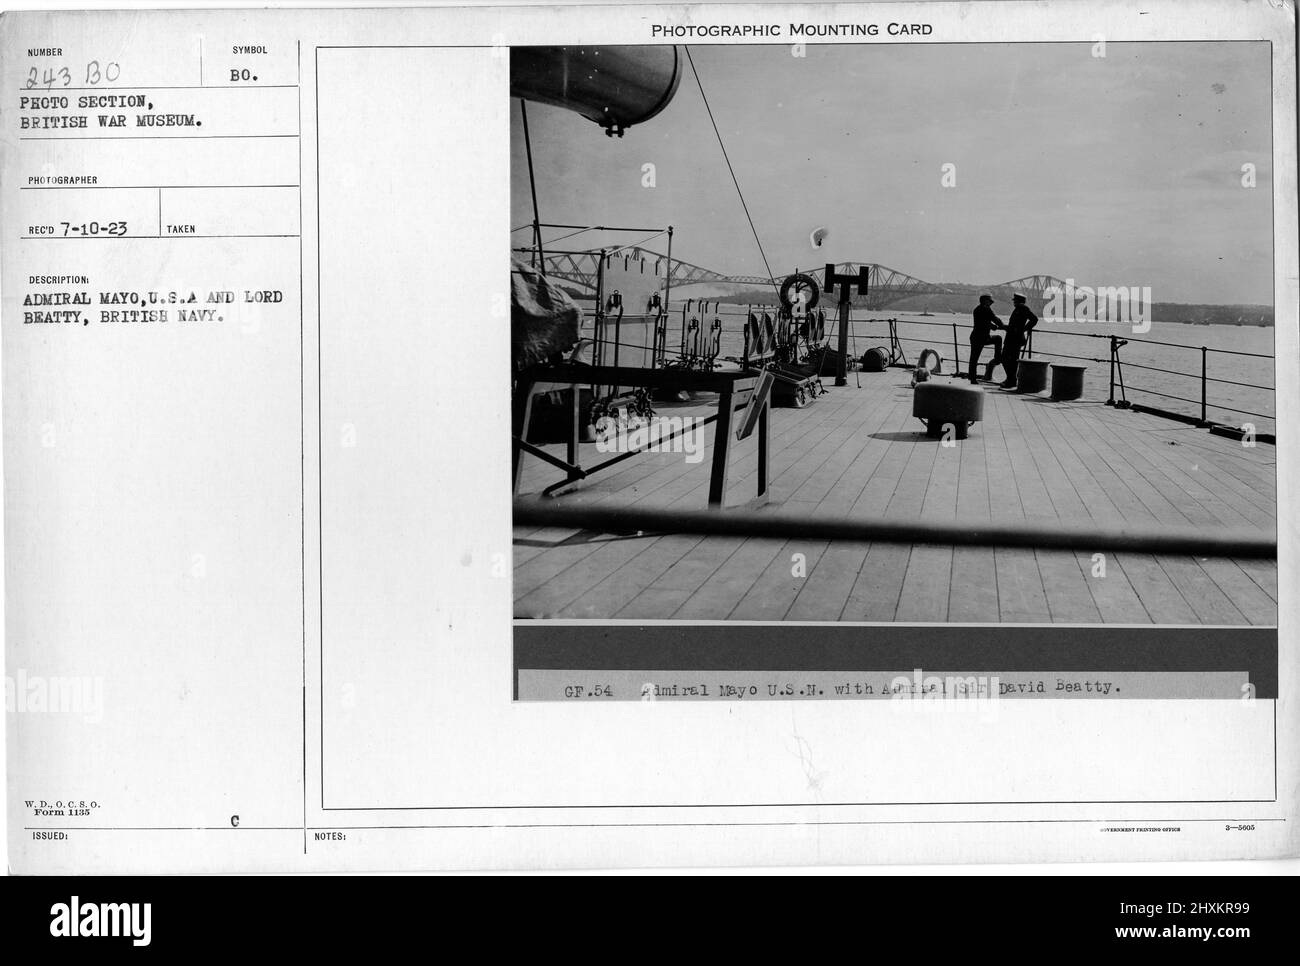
728 385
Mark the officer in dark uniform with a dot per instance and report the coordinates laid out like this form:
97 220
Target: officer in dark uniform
981 334
1019 326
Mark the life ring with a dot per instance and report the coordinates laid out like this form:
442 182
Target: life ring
937 367
802 281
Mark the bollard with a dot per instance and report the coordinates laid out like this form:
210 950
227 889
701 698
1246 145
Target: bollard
1031 375
1067 381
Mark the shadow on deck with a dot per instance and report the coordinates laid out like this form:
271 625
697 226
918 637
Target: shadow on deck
860 453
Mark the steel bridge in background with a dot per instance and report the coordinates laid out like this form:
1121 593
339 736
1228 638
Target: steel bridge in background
886 285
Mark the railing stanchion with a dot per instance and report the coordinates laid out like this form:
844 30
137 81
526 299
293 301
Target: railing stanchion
1204 380
1111 400
1118 390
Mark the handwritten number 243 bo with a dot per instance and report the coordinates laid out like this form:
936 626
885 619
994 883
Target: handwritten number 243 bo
62 77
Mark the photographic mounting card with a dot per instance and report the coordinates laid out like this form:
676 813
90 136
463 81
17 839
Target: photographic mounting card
383 488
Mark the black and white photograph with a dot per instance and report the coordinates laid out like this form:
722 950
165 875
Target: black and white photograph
824 330
901 402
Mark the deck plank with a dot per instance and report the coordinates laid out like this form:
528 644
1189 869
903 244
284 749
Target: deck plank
826 590
1246 595
1159 595
621 587
663 479
1112 592
1039 430
1173 477
1137 475
926 582
1019 583
858 453
1117 492
578 579
719 594
1065 585
697 564
1207 600
770 596
923 595
973 592
653 604
1021 597
1247 474
875 592
1263 573
973 588
871 450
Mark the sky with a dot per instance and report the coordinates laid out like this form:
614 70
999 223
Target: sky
1117 170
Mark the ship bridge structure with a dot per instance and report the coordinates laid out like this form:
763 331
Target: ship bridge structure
886 286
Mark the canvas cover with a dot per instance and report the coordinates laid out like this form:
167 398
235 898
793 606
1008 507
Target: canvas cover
544 320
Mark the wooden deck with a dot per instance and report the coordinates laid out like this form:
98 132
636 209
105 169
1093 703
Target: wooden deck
860 453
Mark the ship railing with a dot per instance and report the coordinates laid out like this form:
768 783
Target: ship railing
728 337
1203 400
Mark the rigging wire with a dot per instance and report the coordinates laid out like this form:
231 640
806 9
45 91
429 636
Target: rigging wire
571 234
637 244
734 180
580 231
